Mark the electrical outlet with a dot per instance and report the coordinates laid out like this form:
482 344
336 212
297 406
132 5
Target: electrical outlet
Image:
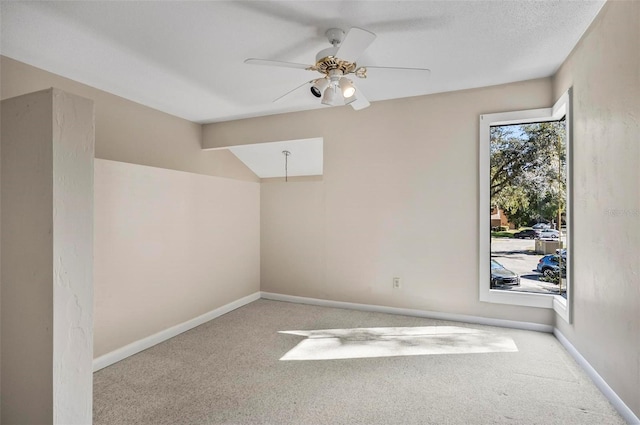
396 282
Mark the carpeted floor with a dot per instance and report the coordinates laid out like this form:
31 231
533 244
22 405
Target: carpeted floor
412 371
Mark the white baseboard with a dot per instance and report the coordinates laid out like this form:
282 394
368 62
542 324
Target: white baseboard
411 312
602 385
140 345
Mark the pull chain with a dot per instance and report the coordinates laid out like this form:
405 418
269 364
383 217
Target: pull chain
286 165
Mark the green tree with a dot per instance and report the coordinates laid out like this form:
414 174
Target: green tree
514 201
528 170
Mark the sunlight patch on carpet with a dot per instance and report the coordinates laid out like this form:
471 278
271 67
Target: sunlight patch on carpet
356 343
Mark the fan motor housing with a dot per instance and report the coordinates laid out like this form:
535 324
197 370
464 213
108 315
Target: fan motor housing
330 63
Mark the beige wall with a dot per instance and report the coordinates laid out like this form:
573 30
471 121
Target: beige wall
399 197
129 132
604 70
27 375
169 246
191 242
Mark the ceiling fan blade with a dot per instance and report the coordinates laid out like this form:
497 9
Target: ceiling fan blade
361 101
291 91
267 62
354 44
425 71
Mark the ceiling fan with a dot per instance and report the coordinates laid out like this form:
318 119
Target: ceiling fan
336 64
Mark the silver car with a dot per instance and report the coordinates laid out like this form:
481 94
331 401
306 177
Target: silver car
548 234
540 226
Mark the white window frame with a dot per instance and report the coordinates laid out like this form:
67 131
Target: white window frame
558 303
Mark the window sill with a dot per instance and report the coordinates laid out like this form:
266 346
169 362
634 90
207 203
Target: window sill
561 308
527 299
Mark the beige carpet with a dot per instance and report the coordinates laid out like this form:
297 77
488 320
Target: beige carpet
261 365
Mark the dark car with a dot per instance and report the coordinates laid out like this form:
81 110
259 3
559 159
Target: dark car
550 265
501 276
525 234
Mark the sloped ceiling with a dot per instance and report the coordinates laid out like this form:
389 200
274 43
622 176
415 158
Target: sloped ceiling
267 160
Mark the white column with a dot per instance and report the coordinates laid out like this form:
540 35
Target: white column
46 310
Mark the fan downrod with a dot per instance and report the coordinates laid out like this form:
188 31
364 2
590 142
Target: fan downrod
326 61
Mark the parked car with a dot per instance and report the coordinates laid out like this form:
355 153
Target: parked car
500 276
550 265
547 234
540 226
562 252
525 234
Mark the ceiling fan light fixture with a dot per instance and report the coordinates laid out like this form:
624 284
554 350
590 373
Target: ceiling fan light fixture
347 87
329 96
350 99
319 86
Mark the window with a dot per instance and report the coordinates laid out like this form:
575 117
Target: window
525 207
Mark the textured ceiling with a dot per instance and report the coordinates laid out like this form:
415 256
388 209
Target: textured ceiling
186 58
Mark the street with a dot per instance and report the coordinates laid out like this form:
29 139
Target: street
518 255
